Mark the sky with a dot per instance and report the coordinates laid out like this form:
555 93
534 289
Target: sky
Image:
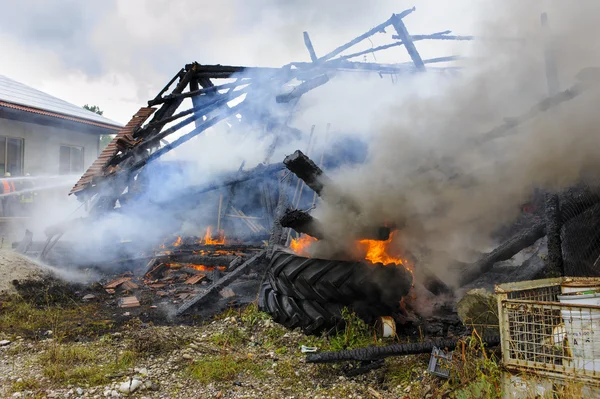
117 54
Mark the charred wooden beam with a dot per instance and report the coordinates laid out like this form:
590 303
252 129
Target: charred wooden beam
505 251
302 222
306 170
408 42
196 91
309 46
204 260
169 107
302 88
221 283
379 28
164 90
277 237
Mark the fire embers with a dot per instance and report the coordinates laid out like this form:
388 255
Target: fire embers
208 239
374 251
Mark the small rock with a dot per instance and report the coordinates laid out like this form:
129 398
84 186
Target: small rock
127 314
49 333
227 293
17 395
89 297
106 393
218 395
193 346
114 394
407 389
4 342
19 380
142 371
79 391
187 356
130 386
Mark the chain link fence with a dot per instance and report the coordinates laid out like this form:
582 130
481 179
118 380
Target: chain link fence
580 232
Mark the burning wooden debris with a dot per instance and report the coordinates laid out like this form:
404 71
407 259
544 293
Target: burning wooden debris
297 290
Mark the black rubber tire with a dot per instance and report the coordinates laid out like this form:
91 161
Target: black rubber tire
327 281
311 316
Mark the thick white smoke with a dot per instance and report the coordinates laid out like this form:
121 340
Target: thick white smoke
426 174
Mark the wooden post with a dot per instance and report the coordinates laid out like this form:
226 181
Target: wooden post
309 46
552 213
219 214
408 42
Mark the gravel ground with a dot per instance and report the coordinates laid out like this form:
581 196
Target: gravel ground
270 365
14 266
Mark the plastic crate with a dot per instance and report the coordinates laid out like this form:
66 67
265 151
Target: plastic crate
440 363
541 335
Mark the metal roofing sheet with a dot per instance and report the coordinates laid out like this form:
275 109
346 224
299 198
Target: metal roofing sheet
14 92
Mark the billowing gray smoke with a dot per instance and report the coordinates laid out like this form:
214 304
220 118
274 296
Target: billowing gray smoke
427 174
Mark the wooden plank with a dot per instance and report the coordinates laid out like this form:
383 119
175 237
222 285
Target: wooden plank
117 282
129 302
195 279
221 283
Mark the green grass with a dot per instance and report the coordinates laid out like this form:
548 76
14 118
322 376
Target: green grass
221 368
231 336
356 334
27 384
18 317
78 364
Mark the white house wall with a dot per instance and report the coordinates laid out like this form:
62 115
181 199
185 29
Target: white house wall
42 145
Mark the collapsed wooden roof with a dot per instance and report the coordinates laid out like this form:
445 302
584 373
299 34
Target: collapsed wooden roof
245 94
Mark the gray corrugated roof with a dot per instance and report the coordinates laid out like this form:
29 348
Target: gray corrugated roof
14 92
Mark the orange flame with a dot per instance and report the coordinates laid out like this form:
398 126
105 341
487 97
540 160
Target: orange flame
208 240
301 245
378 252
203 268
375 251
207 268
177 242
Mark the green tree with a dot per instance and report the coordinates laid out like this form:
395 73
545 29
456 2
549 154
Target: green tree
105 138
93 108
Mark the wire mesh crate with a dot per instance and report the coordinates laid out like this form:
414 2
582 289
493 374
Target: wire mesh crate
540 332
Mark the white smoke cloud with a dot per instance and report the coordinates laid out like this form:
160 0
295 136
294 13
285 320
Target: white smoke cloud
426 174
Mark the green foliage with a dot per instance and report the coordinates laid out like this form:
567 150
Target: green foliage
226 367
356 333
251 315
475 373
231 336
19 317
105 139
27 384
146 341
93 108
75 364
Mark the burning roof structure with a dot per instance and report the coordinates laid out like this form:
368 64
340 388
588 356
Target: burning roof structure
299 291
251 94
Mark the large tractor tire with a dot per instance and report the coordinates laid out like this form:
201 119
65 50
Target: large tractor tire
311 316
342 282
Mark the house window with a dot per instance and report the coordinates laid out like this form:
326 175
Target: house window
11 156
70 160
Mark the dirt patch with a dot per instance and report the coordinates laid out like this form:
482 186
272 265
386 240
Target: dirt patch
16 267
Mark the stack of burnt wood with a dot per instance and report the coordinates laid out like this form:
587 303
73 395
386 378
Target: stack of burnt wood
186 273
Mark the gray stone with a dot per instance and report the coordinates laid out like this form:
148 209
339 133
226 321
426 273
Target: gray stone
130 385
478 308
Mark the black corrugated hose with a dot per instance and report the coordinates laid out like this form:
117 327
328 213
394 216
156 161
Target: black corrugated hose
379 352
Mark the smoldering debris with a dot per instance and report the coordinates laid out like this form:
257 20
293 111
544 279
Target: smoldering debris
444 171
